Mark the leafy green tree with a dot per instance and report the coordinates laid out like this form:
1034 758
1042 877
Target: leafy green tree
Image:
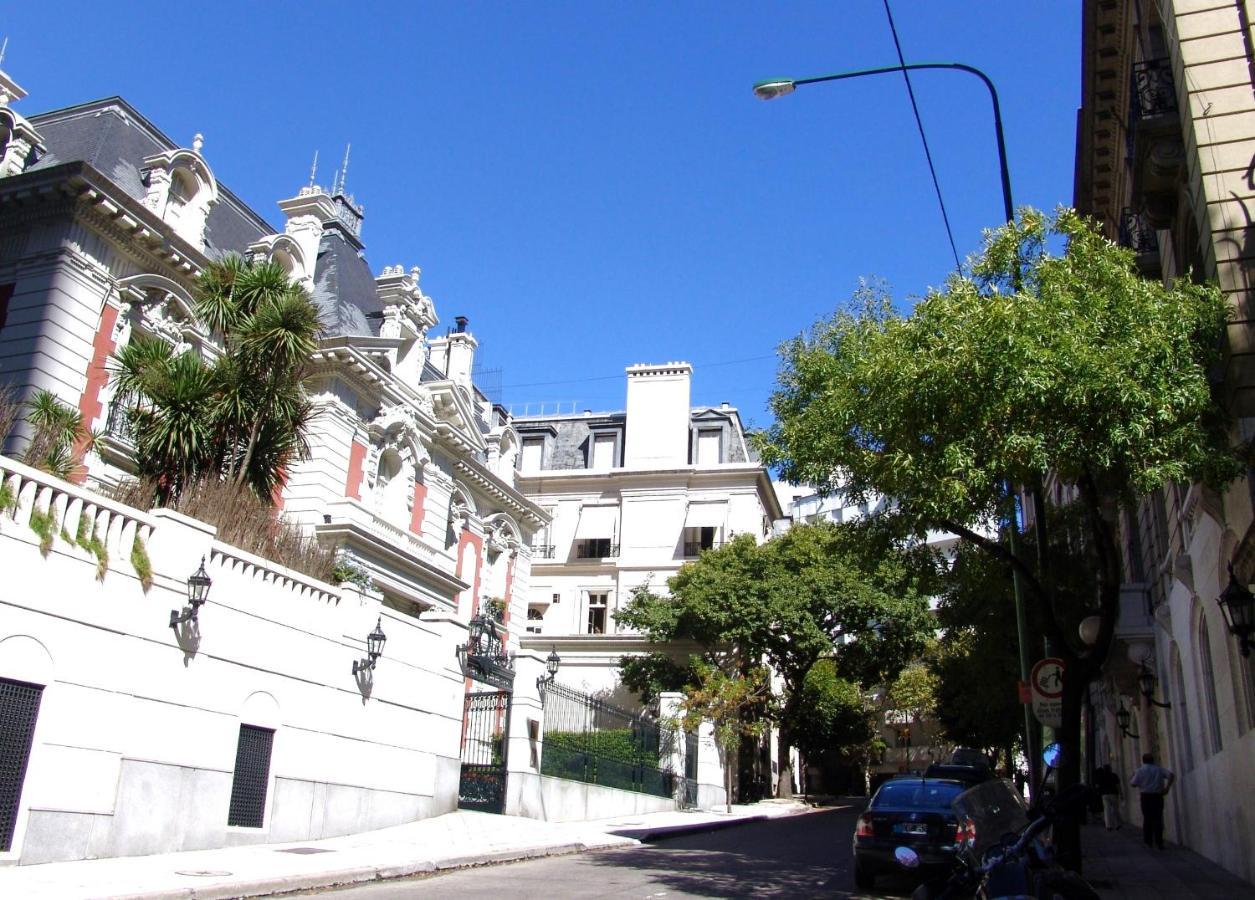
1037 363
729 702
976 661
914 692
242 416
838 725
845 592
57 431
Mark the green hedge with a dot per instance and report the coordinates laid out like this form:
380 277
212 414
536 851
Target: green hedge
613 758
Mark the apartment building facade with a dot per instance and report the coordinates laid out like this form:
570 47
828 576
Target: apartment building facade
630 497
1165 149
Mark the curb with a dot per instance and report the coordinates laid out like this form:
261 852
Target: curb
649 835
289 884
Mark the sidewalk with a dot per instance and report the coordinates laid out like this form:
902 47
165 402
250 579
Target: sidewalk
1120 866
450 841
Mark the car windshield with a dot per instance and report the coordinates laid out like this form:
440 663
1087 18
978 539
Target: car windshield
918 794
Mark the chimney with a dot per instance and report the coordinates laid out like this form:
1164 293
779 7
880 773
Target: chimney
657 416
454 354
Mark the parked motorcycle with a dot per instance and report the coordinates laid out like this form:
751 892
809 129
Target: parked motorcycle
1004 848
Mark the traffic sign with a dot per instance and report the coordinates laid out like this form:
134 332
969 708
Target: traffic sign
1046 683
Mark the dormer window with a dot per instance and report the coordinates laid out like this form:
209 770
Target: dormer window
181 190
709 446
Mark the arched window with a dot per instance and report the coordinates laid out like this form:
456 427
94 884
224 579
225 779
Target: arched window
1242 675
391 500
1210 712
1185 740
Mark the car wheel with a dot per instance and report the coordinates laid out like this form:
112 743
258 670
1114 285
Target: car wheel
864 880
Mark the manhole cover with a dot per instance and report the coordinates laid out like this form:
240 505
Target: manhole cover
304 850
204 873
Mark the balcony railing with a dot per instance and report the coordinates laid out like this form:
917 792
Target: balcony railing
542 551
118 425
1154 89
1137 233
596 548
695 548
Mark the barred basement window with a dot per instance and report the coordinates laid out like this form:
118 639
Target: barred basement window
252 774
19 707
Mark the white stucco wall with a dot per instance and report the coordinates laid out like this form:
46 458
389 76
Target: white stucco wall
135 741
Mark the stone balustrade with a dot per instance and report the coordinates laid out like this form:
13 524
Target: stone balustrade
116 525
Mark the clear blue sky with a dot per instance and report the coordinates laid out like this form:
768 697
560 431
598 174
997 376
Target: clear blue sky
592 183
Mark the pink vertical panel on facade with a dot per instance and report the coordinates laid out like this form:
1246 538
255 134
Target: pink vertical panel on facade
89 404
476 544
420 501
357 461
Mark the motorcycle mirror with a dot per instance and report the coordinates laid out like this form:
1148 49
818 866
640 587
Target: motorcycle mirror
1052 755
906 857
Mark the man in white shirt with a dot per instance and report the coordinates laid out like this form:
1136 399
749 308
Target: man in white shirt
1154 782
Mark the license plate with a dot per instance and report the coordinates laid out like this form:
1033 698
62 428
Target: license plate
910 828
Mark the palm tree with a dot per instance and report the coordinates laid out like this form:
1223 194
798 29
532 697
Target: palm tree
243 417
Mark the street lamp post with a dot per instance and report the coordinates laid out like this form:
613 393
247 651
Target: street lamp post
779 87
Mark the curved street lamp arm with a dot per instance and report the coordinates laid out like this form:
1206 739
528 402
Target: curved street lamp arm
1008 207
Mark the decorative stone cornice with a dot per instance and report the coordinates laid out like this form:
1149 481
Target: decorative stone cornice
78 189
475 474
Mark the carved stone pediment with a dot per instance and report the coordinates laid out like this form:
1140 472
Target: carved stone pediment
501 535
395 428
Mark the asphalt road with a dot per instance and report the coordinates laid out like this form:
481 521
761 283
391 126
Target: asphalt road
798 856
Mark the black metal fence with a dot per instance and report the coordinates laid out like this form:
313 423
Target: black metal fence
589 740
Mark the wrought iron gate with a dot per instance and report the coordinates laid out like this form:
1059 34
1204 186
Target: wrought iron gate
485 730
690 769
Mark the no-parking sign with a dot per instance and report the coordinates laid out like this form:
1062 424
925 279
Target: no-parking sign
1046 682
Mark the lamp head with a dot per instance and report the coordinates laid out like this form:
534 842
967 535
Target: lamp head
552 662
375 641
1238 605
1146 680
773 88
198 586
1122 717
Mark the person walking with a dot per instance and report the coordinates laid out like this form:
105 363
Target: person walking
1108 784
1154 782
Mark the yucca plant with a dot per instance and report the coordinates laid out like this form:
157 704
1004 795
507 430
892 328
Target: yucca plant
59 437
242 417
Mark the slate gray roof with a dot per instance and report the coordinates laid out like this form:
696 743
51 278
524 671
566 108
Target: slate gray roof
111 137
344 287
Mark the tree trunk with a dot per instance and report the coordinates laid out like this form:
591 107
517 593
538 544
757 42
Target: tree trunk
1067 828
784 784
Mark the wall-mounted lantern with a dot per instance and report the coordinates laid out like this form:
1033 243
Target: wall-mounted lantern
552 662
198 584
1238 606
483 656
1146 680
1123 718
374 649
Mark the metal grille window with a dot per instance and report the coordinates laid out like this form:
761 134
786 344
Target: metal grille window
252 774
19 707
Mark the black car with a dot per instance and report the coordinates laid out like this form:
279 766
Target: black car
970 775
907 812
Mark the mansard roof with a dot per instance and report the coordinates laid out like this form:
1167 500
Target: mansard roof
113 138
344 288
